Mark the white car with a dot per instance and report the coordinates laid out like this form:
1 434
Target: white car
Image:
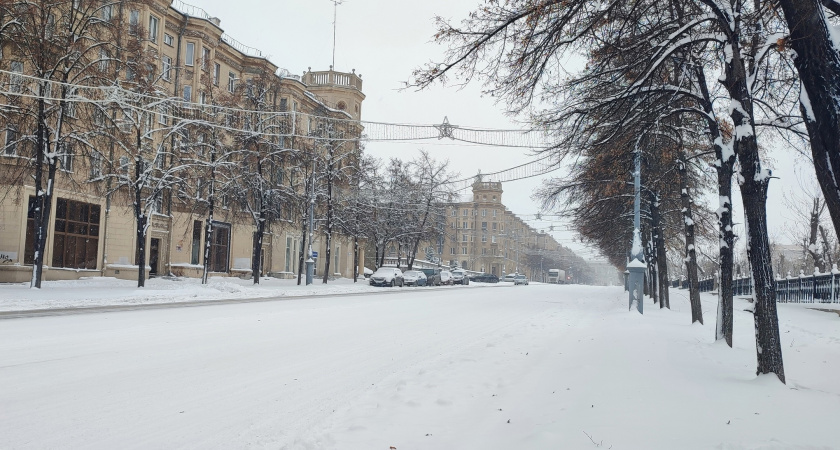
459 276
414 278
445 277
520 279
387 276
509 278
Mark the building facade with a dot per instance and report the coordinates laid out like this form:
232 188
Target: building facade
483 235
182 56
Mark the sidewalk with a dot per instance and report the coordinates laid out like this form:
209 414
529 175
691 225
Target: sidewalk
105 291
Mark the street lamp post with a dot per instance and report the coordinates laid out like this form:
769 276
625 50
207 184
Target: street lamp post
637 266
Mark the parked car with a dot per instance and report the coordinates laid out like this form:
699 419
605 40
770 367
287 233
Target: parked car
484 278
509 278
387 276
520 279
414 278
445 277
432 276
459 276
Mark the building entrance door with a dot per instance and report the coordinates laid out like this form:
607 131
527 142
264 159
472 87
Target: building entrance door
154 257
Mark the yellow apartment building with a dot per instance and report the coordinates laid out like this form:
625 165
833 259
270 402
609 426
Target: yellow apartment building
191 59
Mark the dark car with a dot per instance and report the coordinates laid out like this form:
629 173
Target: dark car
485 278
432 277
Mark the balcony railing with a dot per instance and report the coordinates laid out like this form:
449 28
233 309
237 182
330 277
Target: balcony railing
332 78
195 11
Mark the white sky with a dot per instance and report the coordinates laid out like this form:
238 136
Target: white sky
384 40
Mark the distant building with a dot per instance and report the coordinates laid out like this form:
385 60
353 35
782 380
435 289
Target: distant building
483 235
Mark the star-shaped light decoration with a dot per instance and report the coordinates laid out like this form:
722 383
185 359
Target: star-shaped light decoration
445 129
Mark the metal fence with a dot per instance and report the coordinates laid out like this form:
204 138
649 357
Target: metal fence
816 288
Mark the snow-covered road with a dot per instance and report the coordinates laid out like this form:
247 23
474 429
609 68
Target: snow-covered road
525 367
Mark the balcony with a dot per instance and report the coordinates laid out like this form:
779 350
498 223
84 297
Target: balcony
333 78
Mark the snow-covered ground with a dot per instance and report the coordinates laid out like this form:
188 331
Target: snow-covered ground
106 291
514 367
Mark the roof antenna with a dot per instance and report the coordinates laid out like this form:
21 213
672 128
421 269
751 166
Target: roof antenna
335 15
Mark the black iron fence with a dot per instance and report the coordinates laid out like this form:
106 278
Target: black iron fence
816 288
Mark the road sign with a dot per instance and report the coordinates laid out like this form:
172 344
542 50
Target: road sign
314 254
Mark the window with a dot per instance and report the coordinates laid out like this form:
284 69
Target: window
464 225
336 268
283 104
452 251
65 157
231 81
493 239
483 213
11 142
465 212
464 238
196 242
95 165
167 67
463 250
104 60
454 212
219 247
71 104
202 98
484 226
107 11
50 28
189 57
15 80
494 226
205 58
494 211
76 236
187 93
124 161
133 21
289 254
483 238
168 39
162 114
153 28
129 70
216 73
483 251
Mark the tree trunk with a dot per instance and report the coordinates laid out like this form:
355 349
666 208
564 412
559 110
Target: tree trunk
140 219
41 213
329 221
656 254
754 182
813 249
303 232
211 209
818 64
690 251
726 236
355 259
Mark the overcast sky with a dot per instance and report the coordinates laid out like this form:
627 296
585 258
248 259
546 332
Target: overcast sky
384 40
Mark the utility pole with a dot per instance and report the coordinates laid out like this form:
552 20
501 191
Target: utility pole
310 262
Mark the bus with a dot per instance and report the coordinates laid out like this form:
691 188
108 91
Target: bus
556 276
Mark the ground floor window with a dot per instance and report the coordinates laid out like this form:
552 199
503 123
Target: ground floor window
196 242
289 254
76 234
220 247
336 268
